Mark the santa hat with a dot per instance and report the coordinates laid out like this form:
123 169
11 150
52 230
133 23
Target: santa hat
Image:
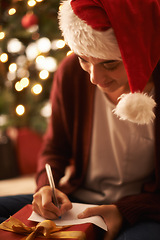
89 27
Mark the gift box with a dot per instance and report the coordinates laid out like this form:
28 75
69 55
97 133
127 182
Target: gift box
87 231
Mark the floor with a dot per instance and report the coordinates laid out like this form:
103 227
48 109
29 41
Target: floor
19 185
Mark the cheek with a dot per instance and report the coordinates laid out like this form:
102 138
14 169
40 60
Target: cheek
121 76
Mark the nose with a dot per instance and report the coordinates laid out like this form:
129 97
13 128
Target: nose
96 74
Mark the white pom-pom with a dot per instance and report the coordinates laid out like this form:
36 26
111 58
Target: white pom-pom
136 107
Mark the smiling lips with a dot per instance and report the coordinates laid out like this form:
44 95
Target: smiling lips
106 84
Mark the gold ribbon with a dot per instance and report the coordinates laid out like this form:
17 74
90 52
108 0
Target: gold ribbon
45 229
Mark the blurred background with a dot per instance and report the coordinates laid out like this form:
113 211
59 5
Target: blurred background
31 48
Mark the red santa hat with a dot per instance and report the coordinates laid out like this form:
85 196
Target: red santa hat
118 29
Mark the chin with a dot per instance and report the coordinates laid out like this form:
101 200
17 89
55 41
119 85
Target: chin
107 90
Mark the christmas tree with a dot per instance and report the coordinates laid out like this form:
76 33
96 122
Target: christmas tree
31 48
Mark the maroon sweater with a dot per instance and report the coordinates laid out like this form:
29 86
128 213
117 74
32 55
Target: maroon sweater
68 139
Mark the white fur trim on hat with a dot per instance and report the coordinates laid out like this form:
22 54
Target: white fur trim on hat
83 39
136 107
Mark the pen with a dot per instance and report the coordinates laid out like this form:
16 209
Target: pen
52 184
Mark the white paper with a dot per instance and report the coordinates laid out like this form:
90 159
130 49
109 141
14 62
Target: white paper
70 217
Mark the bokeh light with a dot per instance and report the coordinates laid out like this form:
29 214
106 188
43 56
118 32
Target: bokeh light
25 82
37 89
44 45
11 11
20 110
32 51
14 46
44 74
31 3
4 57
12 67
2 35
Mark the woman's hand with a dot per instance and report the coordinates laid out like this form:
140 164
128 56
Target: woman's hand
43 205
111 216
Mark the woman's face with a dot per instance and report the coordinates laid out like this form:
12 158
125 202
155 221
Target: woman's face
108 75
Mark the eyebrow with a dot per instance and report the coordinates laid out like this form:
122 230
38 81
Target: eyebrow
106 61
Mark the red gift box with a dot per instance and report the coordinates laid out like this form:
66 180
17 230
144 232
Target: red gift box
91 231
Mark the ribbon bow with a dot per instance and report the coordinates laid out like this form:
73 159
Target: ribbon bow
45 229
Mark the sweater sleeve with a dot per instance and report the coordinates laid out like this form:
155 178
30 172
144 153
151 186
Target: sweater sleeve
57 143
139 207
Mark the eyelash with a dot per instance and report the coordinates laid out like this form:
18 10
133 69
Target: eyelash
111 68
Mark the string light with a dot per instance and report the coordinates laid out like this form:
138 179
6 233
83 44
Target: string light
58 44
14 46
24 82
37 89
12 67
46 63
4 57
11 11
46 110
31 3
44 45
32 51
18 86
40 60
20 110
69 52
50 64
60 7
39 0
2 35
44 74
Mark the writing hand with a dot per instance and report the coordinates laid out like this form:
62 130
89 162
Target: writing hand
43 205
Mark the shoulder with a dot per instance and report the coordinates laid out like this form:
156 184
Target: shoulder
70 64
70 74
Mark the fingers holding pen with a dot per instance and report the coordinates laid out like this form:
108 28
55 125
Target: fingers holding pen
43 205
65 203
